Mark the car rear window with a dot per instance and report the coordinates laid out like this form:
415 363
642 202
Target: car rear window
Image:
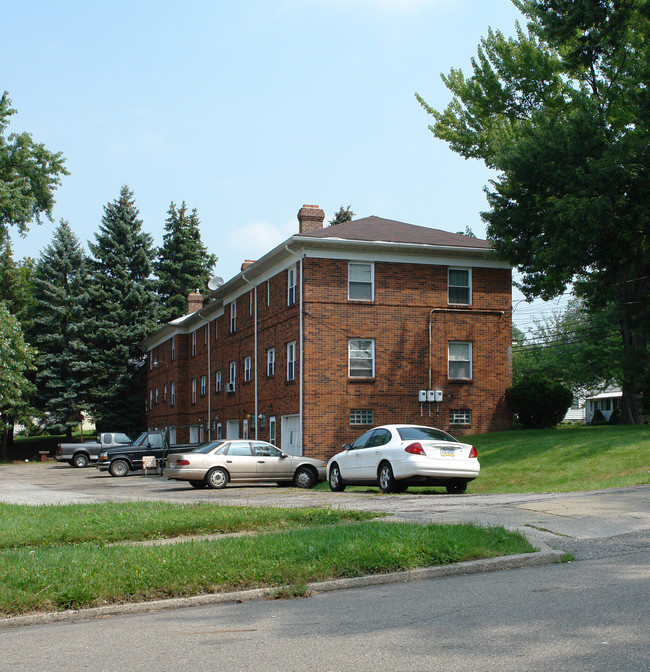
424 434
208 447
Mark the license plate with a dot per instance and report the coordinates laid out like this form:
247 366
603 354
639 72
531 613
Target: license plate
448 452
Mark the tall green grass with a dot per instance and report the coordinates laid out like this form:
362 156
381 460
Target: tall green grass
565 459
59 577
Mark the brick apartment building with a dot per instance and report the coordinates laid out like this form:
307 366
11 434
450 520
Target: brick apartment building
335 330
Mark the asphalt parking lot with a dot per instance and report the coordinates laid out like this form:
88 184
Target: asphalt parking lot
551 518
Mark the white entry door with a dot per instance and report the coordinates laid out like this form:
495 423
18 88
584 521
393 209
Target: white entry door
291 435
232 429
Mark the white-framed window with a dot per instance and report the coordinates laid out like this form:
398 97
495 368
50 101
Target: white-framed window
247 369
204 385
194 434
172 435
219 431
233 317
193 343
460 416
460 360
459 286
233 374
150 399
291 360
156 396
362 416
292 284
361 281
272 430
217 381
194 390
173 348
173 394
165 393
361 358
270 362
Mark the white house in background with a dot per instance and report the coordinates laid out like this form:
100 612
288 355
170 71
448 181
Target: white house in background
606 402
583 408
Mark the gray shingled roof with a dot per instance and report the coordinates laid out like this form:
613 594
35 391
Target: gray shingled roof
375 228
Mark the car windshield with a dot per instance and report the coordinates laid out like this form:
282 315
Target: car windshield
208 447
140 440
424 434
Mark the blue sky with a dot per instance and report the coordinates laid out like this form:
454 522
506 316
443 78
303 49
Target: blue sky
245 110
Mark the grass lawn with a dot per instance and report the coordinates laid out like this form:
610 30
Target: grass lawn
565 459
55 557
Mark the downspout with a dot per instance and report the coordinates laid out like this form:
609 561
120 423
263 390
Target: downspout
209 381
255 404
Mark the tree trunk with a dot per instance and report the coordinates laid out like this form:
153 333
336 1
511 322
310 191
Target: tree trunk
633 301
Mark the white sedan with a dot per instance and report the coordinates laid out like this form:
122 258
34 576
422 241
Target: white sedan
396 456
217 463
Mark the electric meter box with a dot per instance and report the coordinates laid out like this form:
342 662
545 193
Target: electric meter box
438 395
430 396
422 395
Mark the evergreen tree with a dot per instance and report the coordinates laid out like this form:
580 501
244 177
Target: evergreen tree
183 264
123 311
343 215
60 331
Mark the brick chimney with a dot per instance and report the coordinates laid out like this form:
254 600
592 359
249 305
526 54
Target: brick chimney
194 302
247 263
311 218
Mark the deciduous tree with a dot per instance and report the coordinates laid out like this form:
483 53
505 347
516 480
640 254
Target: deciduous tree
29 175
16 359
562 112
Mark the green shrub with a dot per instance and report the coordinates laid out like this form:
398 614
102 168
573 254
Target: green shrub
538 402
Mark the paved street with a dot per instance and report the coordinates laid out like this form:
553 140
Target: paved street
588 615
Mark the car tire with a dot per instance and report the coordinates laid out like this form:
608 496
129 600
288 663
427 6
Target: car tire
80 460
385 478
119 468
198 484
456 487
217 478
304 477
337 484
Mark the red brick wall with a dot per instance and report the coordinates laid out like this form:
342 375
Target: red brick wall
398 321
408 297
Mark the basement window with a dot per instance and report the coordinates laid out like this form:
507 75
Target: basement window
462 416
362 416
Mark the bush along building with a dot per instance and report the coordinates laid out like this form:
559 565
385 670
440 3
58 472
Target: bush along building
336 330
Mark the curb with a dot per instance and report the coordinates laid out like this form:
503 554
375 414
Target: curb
543 557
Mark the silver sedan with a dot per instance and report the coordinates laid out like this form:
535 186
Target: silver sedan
218 463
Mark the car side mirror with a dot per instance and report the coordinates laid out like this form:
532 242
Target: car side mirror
283 455
346 446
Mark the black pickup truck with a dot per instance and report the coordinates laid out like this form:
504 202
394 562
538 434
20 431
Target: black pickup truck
148 450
